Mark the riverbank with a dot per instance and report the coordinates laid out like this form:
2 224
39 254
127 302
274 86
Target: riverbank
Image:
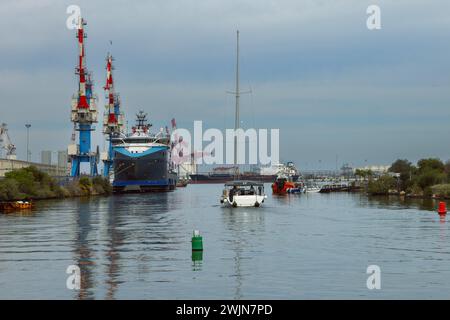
32 184
381 188
429 179
439 192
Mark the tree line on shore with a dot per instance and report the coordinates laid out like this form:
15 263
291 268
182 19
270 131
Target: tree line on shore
31 183
428 178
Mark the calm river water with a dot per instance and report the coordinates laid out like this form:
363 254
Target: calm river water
294 247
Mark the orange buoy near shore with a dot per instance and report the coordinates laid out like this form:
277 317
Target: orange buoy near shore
442 210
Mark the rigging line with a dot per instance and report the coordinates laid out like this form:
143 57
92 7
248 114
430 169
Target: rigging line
252 106
224 117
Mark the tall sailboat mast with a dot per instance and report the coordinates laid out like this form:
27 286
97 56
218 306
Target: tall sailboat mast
237 93
236 119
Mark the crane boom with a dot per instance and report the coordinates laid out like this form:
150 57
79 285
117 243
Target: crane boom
5 142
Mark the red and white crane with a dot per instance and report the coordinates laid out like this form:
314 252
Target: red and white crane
84 112
113 119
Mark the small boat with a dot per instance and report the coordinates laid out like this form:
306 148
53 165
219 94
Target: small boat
300 185
181 183
325 189
313 189
334 188
15 205
243 194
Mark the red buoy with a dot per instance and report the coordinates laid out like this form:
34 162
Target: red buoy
442 210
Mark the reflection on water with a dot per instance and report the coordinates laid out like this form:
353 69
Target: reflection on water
391 202
197 260
285 199
115 239
113 216
295 246
83 254
242 223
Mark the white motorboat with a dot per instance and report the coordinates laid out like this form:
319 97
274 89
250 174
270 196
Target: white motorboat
243 194
312 189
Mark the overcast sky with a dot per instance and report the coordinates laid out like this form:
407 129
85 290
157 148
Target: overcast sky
333 87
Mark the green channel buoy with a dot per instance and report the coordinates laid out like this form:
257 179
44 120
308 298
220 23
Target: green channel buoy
197 241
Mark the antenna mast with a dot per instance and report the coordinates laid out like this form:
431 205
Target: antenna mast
238 93
236 119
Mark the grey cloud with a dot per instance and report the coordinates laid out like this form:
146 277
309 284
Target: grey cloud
313 66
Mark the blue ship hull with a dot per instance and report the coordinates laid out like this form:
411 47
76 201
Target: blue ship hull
143 172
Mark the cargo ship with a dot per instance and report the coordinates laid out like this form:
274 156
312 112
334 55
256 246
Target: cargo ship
142 160
264 174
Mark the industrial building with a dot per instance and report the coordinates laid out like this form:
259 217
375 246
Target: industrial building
46 157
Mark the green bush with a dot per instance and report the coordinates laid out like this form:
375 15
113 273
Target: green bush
430 164
28 182
101 185
85 185
405 170
62 192
441 190
32 183
9 190
427 192
414 190
382 185
85 182
73 188
430 178
25 179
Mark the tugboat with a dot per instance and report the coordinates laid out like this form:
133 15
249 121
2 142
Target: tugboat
142 160
288 181
284 184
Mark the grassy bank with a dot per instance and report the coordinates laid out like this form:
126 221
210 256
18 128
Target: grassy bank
31 183
441 191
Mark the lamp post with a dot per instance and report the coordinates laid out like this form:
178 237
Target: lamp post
28 141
